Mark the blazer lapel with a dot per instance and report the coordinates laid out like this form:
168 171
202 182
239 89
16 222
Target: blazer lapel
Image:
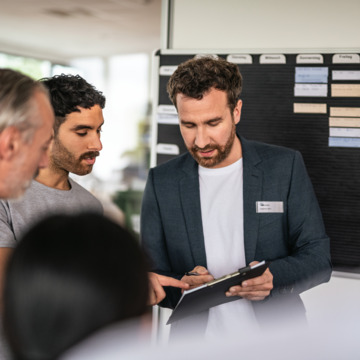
252 188
190 200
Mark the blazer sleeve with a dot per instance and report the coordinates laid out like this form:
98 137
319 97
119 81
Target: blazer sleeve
153 240
308 263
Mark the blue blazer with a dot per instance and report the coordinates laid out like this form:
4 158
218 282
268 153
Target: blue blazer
294 241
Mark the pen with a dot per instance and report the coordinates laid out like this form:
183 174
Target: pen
191 273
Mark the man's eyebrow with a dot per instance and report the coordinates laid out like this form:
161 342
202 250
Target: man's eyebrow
81 127
218 118
84 127
186 122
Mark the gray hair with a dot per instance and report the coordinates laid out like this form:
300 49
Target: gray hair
16 102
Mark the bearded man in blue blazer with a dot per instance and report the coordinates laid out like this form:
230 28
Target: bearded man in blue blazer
230 202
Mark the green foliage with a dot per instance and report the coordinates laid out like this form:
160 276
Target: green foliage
130 203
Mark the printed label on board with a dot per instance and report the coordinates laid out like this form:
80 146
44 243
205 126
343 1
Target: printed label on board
346 58
167 70
167 149
272 59
167 109
168 119
240 58
309 59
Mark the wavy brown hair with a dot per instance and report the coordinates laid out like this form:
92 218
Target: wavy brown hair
195 77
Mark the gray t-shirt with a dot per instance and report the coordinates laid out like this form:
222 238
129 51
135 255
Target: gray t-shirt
38 202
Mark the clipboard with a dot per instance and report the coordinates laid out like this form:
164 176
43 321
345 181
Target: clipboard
212 293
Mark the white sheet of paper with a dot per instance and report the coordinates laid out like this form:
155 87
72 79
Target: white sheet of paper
345 132
314 90
346 75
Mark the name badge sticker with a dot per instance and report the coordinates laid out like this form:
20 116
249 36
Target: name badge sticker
269 207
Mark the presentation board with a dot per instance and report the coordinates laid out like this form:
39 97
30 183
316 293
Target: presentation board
306 101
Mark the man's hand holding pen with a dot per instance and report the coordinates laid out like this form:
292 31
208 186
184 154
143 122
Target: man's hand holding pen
196 277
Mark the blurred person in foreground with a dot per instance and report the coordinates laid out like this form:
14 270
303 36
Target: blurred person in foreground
230 202
54 298
26 123
26 120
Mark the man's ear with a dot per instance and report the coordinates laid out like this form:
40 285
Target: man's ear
10 143
237 112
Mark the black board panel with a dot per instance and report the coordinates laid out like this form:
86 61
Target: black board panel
268 115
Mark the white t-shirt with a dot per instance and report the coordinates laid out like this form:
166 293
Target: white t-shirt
221 196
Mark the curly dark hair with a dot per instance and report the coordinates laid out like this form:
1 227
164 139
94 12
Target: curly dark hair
197 76
68 93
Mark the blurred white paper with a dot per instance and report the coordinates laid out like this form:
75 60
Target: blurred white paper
313 90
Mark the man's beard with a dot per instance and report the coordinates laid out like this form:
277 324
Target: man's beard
62 158
221 154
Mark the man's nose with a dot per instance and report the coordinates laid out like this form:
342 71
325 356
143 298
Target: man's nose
95 143
202 138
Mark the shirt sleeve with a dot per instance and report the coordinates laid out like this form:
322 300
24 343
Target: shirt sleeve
7 238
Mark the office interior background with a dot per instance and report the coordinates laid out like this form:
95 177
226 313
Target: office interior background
111 44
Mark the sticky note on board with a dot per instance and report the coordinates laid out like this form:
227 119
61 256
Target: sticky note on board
312 90
345 111
311 74
346 75
344 132
344 142
344 122
345 90
310 108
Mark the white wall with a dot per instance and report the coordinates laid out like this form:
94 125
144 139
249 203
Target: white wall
338 300
289 25
283 24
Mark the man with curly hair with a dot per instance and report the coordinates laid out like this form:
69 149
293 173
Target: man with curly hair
78 108
76 144
230 202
